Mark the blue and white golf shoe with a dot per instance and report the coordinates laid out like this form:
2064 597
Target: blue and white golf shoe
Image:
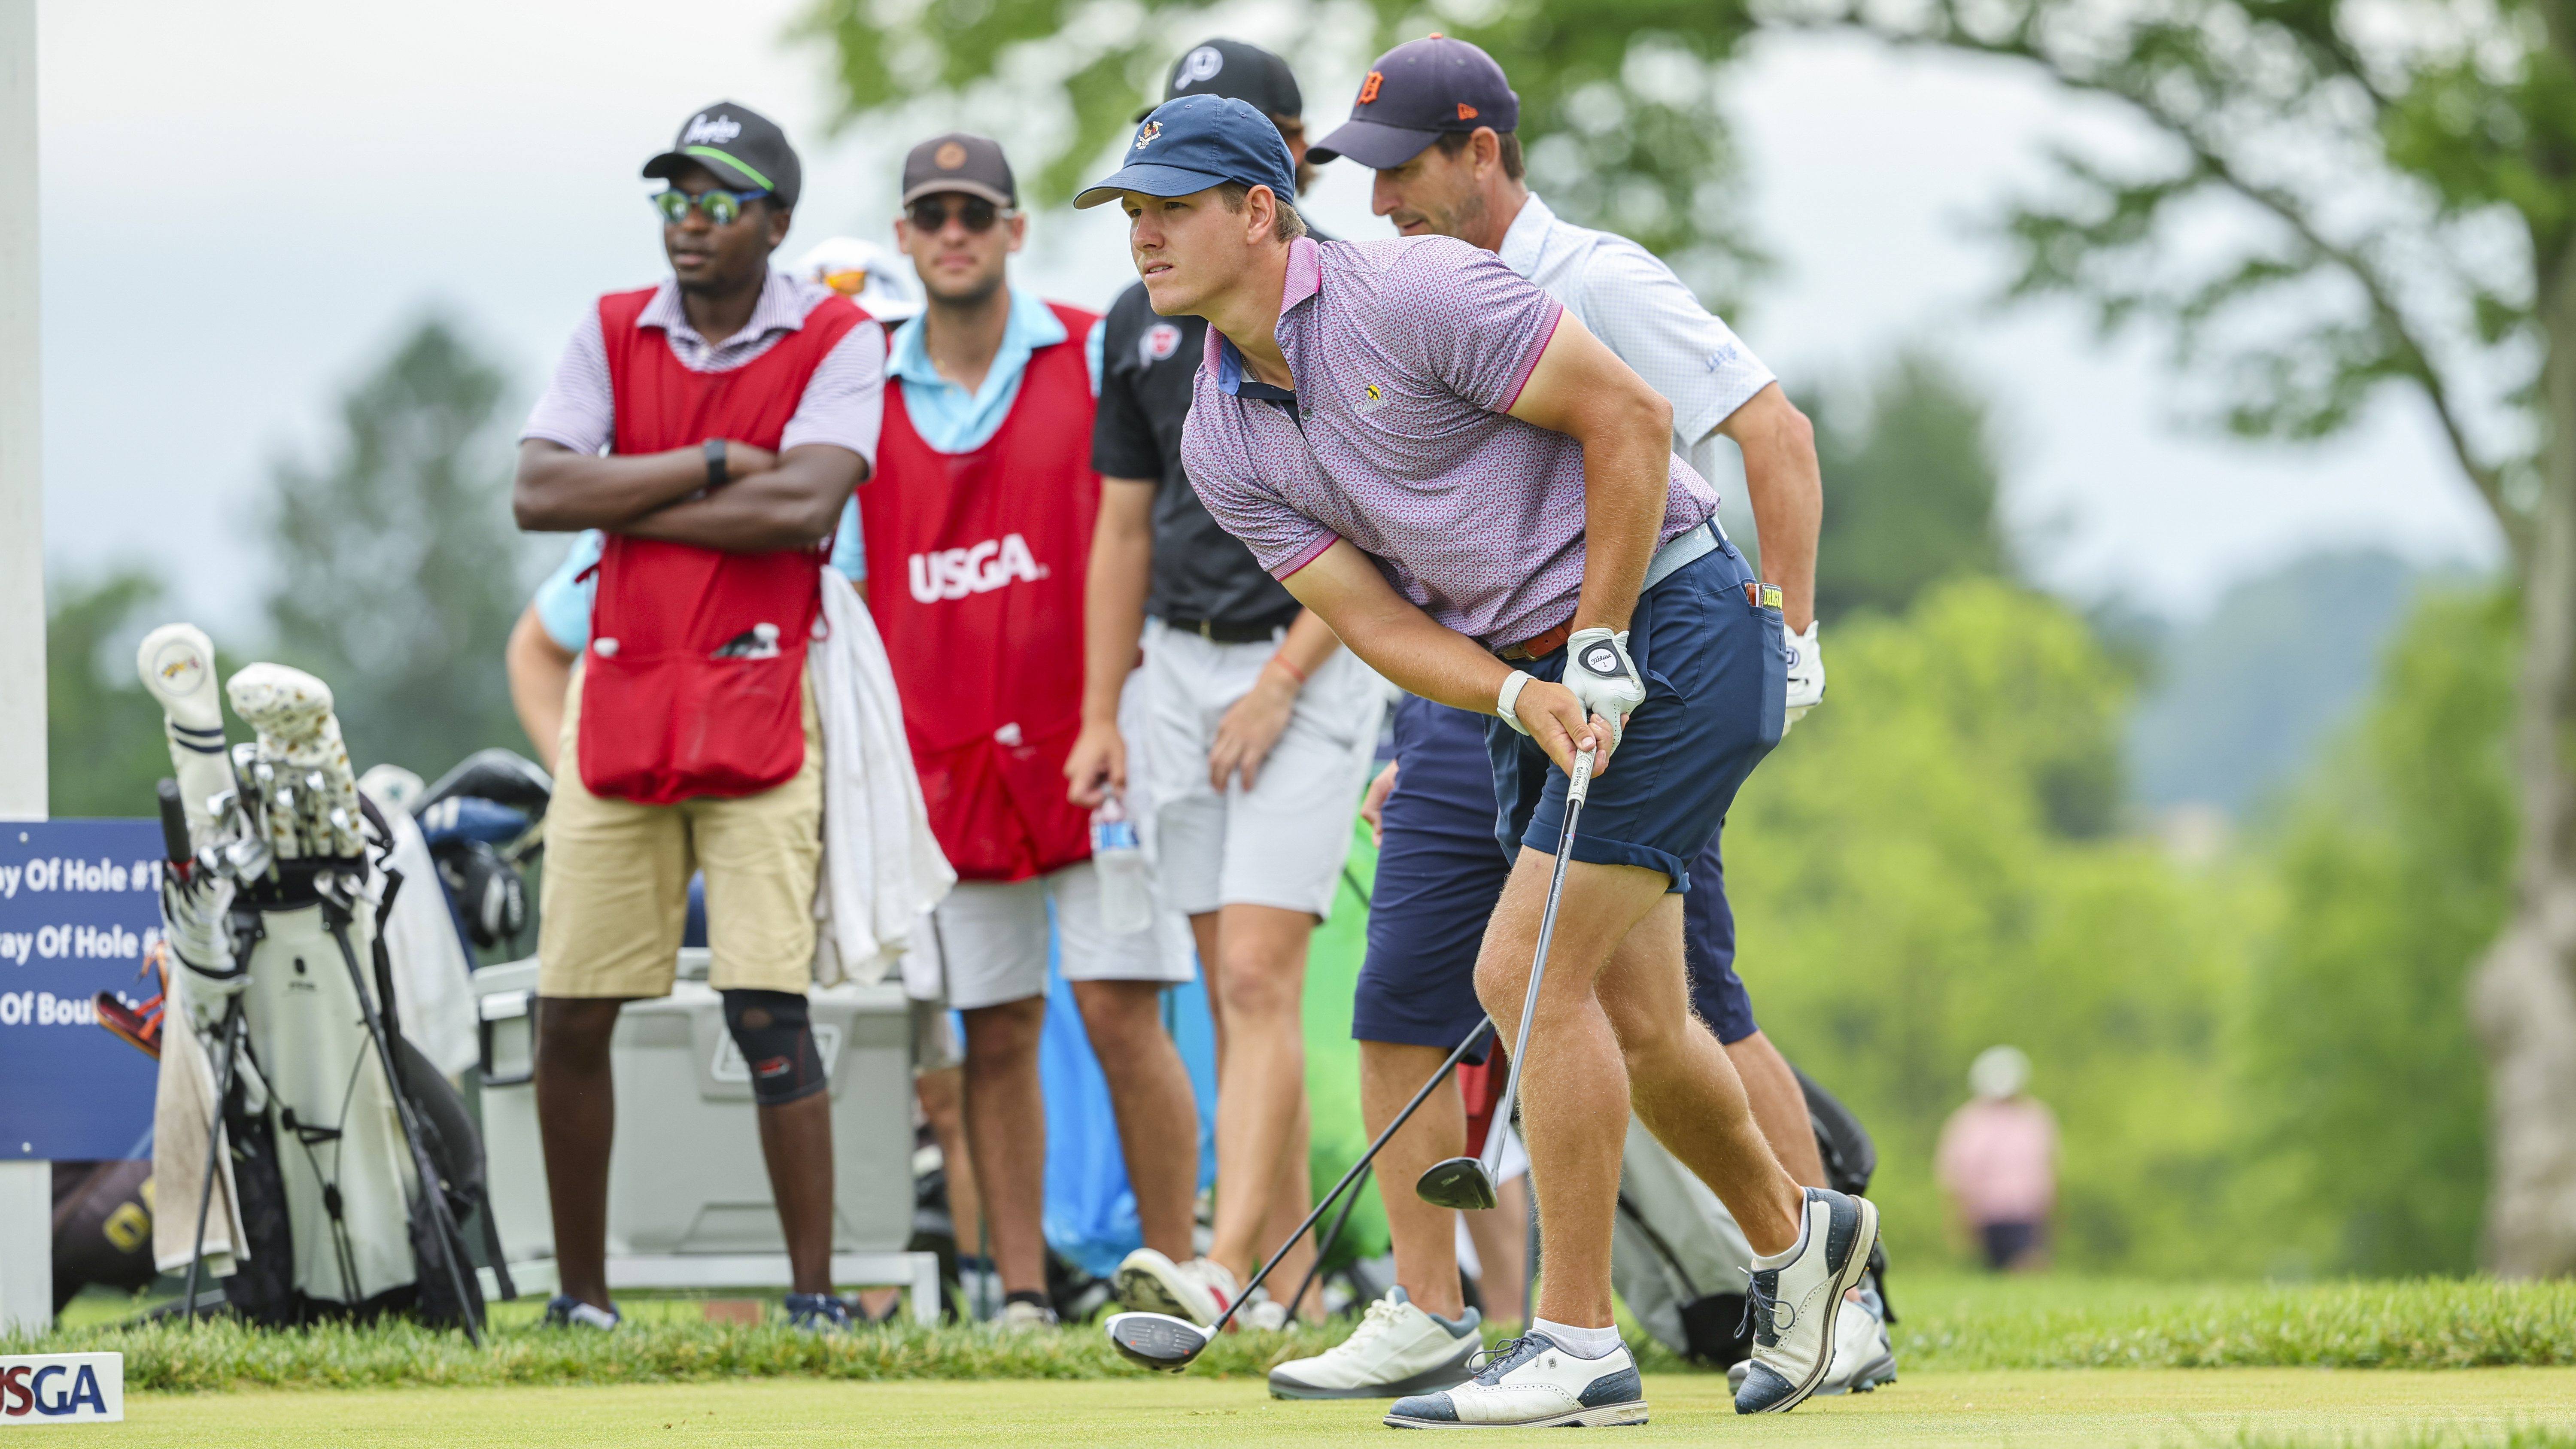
1794 1306
1531 1383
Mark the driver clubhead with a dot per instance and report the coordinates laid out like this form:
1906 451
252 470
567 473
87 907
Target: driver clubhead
1460 1182
1157 1340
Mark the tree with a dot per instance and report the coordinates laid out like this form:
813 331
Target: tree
1903 902
398 566
2342 199
1911 490
103 738
1618 97
2394 868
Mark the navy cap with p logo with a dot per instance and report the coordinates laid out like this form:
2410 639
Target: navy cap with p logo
1413 94
1196 142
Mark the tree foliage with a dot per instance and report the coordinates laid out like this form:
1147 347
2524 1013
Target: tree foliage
2328 198
103 739
397 565
1618 97
1910 496
2361 1078
1904 902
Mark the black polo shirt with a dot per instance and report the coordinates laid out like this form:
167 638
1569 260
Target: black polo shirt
1201 572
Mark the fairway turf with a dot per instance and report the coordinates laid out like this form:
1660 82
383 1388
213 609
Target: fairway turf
2097 1408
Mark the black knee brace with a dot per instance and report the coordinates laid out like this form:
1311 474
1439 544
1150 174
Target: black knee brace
776 1035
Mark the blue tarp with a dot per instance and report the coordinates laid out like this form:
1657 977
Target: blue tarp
1090 1210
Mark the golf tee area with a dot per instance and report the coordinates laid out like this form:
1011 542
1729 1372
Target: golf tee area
1984 1361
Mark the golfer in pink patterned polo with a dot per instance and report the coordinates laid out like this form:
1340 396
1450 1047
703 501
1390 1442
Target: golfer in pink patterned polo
1440 461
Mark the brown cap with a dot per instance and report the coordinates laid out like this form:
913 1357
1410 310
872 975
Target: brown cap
959 162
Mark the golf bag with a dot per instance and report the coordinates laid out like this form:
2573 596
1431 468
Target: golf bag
1677 1256
102 1226
330 1190
351 1163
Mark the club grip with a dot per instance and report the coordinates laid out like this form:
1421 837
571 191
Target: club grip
174 821
1579 784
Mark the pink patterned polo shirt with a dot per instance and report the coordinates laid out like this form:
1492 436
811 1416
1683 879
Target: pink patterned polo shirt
1408 354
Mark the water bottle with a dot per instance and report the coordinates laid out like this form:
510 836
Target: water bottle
1126 896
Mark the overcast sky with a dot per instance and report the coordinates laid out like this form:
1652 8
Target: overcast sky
246 205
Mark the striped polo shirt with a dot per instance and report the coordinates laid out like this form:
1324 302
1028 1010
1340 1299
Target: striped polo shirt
1408 354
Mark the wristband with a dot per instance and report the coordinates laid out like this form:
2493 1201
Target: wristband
1294 672
715 463
1507 700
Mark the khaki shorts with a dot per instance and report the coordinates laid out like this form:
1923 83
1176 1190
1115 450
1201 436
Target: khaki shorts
617 874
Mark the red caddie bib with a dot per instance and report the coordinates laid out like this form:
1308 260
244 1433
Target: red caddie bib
975 570
694 684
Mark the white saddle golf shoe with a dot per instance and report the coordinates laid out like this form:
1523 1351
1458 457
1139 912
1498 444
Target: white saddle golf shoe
1796 1305
1531 1383
1398 1349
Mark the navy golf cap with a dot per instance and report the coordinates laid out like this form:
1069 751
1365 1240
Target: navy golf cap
1196 142
1416 92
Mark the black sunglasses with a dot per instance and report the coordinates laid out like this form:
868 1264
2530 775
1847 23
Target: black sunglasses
974 212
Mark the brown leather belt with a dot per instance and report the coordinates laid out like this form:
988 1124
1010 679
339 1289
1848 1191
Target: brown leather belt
1538 646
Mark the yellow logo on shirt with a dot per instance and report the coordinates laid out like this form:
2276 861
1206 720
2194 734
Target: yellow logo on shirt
1373 396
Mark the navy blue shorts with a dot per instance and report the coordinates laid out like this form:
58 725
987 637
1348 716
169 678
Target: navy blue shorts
1716 674
1439 874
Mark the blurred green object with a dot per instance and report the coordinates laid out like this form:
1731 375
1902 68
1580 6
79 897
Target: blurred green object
1339 1135
1921 872
2366 1104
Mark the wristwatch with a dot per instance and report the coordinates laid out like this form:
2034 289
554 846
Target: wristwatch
715 463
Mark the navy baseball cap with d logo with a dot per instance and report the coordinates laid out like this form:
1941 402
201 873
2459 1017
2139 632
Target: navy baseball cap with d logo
1414 93
1196 142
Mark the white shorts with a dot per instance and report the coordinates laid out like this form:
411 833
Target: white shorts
989 940
1283 842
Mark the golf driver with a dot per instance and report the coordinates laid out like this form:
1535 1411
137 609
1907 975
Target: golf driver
1161 1341
1468 1182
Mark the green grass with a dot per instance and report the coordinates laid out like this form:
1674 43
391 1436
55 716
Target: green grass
1947 1326
2100 1409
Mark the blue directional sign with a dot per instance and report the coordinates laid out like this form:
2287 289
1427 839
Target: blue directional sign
80 902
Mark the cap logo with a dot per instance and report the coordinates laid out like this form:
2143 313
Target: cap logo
1199 65
1145 134
703 132
949 156
1160 341
1368 88
1466 112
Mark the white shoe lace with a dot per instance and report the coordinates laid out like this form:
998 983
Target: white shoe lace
1378 1322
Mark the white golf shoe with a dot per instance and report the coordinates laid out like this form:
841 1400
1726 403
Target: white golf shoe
1864 1356
1199 1290
1795 1306
1398 1349
1533 1384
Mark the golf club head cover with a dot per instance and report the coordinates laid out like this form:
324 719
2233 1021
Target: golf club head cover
194 925
1598 670
177 666
776 1033
299 737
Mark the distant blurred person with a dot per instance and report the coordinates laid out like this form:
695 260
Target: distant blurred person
1997 1163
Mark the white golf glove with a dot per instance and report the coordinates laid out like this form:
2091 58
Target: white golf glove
192 921
1806 674
1598 670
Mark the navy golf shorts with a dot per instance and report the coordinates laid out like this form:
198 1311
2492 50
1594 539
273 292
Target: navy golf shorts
1439 874
1716 672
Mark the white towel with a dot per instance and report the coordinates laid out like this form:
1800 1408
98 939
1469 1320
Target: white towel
433 995
882 868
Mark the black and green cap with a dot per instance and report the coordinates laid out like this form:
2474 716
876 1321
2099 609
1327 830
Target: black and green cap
745 150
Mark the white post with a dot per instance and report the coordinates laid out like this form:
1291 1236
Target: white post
26 1188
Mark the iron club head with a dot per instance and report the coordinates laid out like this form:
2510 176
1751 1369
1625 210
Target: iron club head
1460 1182
1157 1340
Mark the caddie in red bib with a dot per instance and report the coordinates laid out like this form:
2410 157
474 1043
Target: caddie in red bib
979 527
711 428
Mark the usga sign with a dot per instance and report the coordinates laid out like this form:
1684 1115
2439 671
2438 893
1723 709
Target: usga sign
62 1388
